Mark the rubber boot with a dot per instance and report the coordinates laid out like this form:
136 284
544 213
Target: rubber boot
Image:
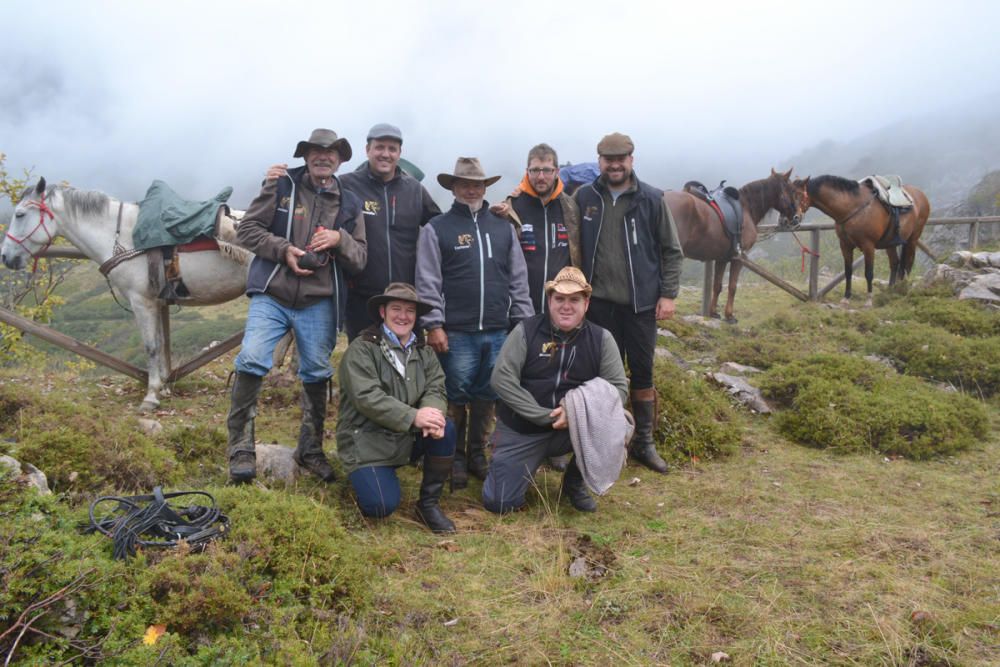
428 511
309 452
459 468
642 448
575 490
481 417
242 409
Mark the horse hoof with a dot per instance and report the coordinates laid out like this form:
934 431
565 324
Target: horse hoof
147 407
731 320
845 302
868 303
715 316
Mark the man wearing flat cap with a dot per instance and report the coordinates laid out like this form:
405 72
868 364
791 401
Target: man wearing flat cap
632 256
304 230
471 271
544 358
392 404
396 206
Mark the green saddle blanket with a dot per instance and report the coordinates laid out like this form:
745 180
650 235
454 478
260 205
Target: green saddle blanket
166 219
889 189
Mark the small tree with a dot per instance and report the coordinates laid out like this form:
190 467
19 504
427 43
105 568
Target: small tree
29 294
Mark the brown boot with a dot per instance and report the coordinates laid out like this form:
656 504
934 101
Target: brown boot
459 468
309 453
242 410
642 447
481 419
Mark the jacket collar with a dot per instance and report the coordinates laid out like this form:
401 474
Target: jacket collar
526 188
300 176
464 210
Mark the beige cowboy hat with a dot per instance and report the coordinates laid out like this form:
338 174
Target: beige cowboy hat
323 138
397 292
569 280
469 169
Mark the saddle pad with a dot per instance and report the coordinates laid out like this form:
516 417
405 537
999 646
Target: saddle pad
166 219
889 189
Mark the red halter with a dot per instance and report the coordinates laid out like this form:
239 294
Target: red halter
43 210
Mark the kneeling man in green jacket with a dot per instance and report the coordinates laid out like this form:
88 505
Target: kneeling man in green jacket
392 410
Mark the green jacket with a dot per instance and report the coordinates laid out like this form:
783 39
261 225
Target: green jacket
377 404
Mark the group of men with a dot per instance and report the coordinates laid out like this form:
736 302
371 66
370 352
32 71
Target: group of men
520 303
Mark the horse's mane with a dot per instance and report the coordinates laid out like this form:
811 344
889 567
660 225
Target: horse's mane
835 182
84 202
760 196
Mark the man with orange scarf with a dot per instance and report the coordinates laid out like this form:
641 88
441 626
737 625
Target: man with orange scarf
547 220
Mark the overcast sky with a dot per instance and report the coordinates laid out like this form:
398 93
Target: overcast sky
110 95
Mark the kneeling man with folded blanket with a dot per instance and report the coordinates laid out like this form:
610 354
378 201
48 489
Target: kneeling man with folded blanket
543 359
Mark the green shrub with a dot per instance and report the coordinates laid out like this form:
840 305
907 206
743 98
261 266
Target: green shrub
970 364
694 419
850 404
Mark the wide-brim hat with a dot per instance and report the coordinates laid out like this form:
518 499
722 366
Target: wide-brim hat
323 138
469 169
397 292
569 280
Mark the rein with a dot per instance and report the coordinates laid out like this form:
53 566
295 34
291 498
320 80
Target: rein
856 211
119 253
43 210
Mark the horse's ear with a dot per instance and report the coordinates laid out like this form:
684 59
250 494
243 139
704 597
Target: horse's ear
40 188
773 172
787 174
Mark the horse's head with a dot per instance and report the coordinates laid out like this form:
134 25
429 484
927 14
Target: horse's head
785 205
799 192
31 228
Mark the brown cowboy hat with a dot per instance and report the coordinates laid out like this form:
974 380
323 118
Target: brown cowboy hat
469 169
323 138
397 292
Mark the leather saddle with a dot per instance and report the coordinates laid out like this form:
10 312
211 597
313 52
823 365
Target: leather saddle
725 201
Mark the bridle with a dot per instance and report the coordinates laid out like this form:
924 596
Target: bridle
43 210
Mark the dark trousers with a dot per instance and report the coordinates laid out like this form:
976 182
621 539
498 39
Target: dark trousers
516 457
635 335
377 487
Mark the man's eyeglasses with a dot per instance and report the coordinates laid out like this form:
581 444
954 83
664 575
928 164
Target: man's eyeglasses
535 171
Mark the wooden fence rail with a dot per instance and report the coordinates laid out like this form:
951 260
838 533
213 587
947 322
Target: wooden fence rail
815 292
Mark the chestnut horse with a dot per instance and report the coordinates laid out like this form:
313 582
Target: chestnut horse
862 221
703 237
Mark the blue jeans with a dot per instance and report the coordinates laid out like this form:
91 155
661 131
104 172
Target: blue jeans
268 321
377 487
468 364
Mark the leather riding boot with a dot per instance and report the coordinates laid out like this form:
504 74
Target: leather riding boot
428 511
242 410
309 452
459 469
481 416
575 490
642 448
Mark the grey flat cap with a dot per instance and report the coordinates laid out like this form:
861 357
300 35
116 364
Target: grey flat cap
385 131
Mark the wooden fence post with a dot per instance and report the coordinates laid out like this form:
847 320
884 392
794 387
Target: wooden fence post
814 264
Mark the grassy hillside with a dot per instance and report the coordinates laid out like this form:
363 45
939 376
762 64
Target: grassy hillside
770 541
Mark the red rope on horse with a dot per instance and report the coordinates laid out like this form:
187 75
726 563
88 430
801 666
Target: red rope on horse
804 251
43 210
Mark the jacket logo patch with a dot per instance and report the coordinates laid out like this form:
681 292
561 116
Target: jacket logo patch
464 242
300 211
590 212
372 207
548 348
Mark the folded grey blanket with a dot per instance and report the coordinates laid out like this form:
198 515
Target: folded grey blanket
600 430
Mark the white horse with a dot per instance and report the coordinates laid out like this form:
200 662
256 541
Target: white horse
96 223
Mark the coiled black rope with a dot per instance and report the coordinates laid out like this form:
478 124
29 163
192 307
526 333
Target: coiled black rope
150 522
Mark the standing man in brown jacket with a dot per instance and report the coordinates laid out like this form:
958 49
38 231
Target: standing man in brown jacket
304 230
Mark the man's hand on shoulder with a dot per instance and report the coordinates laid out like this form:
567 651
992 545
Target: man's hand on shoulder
501 210
276 171
438 340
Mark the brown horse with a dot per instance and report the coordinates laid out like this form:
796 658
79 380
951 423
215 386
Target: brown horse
703 237
862 221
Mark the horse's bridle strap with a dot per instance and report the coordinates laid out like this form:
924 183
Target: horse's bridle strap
856 211
118 254
43 210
